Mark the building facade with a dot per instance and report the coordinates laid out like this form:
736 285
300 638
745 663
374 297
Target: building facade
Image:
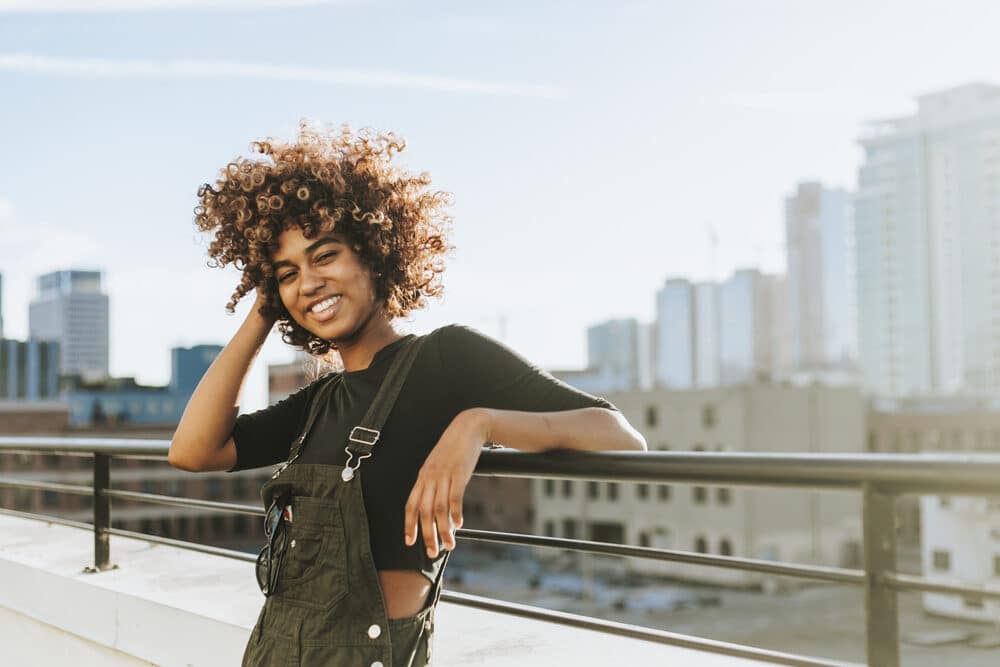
821 277
70 308
927 217
124 401
675 335
613 354
821 527
29 370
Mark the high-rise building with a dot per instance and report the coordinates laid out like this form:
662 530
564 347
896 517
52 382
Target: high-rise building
927 219
29 370
675 335
1 305
70 308
613 350
746 335
706 334
821 289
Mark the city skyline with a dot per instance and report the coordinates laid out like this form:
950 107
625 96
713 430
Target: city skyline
679 126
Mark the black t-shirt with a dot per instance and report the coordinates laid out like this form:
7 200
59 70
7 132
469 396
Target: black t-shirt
457 368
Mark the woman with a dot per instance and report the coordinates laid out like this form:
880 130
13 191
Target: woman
339 243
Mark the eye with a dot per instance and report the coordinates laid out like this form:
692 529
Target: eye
285 276
325 256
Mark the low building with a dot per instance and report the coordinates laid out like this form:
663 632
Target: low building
959 537
816 527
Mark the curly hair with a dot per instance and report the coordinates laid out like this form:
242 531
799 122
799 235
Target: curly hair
322 182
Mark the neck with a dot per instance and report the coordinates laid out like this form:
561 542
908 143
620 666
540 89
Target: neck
357 353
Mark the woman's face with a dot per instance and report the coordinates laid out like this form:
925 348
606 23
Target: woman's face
324 285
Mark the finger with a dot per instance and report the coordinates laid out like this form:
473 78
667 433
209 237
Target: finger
441 516
455 500
427 519
411 514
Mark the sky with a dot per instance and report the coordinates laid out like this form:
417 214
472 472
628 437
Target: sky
593 149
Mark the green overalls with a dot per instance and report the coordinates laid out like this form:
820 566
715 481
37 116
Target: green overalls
327 607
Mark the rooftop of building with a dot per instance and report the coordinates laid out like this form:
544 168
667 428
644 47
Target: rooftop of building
137 613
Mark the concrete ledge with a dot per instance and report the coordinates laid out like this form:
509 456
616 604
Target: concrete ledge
170 606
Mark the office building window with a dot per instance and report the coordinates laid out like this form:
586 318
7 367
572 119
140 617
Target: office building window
996 566
592 490
612 490
651 416
941 559
723 496
664 491
567 488
725 547
699 494
550 528
550 487
569 529
642 491
701 545
644 539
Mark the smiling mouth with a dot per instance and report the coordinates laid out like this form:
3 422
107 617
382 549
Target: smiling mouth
325 306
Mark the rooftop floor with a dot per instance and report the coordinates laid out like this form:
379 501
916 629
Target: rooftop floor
169 606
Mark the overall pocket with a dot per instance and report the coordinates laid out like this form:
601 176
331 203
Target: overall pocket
313 571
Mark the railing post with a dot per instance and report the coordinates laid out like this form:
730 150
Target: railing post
881 610
102 514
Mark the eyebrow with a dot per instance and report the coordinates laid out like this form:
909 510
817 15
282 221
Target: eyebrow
309 250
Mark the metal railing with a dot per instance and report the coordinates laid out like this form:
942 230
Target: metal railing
879 479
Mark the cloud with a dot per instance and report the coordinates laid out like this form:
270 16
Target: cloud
97 6
191 69
38 248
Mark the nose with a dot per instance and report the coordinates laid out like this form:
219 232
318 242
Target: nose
311 281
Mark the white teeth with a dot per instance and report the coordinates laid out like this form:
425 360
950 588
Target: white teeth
324 304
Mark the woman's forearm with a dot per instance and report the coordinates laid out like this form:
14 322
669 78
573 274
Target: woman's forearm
588 429
208 419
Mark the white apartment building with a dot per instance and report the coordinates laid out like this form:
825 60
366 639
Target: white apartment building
706 335
613 353
70 308
927 221
675 335
821 278
961 545
820 527
751 338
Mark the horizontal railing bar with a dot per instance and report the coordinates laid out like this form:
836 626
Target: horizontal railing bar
637 632
190 546
230 508
84 446
977 474
974 474
832 574
47 518
46 486
909 582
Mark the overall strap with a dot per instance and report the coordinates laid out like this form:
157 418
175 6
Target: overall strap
363 437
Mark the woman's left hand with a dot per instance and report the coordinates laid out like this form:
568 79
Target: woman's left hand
436 498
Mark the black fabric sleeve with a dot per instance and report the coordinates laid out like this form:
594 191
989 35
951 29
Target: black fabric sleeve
264 437
486 373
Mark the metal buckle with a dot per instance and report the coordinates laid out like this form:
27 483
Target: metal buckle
374 435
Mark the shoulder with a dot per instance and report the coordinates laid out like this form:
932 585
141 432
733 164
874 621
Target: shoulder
452 334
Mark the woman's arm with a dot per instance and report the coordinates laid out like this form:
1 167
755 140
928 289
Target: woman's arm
587 429
436 498
203 439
